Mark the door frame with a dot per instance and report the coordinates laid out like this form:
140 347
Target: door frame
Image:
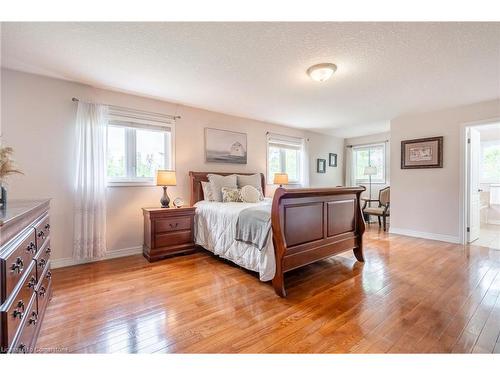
464 175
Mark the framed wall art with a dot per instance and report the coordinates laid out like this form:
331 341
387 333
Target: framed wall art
224 146
422 153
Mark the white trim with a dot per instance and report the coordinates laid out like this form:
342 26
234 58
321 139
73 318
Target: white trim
463 214
494 222
426 235
66 262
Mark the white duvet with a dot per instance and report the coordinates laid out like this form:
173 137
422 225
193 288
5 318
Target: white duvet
215 229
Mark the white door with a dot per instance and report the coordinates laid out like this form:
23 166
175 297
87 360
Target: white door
474 148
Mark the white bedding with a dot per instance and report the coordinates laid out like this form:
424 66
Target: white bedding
215 229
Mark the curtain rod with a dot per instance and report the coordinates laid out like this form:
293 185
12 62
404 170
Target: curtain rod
136 110
366 144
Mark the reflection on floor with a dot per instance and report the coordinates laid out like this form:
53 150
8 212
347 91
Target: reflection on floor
489 236
410 296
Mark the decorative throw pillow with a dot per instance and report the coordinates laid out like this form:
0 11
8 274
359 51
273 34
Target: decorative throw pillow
207 191
231 195
249 194
252 180
217 182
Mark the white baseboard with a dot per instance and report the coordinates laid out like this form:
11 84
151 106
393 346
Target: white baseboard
65 262
494 222
428 236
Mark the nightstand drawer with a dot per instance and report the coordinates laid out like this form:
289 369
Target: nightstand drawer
173 224
175 238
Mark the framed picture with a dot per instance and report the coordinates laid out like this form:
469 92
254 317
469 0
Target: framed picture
422 153
223 146
332 160
321 165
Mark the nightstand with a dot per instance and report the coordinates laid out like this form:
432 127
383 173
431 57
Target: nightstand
167 231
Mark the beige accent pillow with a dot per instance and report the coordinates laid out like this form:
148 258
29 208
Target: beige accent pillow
207 191
231 195
250 194
217 182
252 180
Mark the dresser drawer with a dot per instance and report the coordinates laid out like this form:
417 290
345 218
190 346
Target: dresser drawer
24 342
17 261
15 308
42 258
172 224
42 229
174 239
44 290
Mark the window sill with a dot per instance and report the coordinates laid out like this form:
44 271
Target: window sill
112 184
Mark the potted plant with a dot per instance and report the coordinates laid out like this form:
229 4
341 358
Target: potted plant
7 168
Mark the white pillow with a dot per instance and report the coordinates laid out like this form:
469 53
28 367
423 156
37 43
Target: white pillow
217 182
252 180
207 191
249 194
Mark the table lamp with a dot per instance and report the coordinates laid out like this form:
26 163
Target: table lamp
281 179
165 178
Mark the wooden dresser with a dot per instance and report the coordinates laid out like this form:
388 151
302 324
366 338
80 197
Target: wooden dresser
168 231
24 273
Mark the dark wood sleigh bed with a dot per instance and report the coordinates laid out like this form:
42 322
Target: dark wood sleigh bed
308 224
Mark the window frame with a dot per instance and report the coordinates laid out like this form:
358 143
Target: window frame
484 144
131 129
383 180
290 145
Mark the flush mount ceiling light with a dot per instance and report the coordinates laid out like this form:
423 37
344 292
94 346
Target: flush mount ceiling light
321 72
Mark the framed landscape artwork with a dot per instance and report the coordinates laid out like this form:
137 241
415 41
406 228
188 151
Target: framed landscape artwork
321 166
422 153
332 160
223 146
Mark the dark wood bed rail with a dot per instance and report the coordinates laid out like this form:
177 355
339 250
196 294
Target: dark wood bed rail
312 224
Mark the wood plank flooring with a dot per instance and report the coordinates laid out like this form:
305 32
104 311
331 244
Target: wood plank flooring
410 296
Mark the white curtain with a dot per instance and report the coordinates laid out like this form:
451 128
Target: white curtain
304 179
349 176
90 192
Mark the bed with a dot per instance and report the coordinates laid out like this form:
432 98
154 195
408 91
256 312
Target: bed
307 225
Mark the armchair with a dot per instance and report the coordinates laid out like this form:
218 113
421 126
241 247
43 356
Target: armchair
382 211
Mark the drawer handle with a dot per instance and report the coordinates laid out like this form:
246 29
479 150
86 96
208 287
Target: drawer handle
21 348
41 234
49 275
31 248
32 282
174 226
47 227
42 291
19 310
18 266
48 251
33 318
42 262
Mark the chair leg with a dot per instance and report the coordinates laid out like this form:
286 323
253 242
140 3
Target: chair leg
379 223
385 225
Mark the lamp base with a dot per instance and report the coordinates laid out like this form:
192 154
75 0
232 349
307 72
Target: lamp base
165 200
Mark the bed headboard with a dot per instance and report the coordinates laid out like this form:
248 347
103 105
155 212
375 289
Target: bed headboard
197 177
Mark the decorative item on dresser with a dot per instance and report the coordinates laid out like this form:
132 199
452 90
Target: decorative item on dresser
167 231
24 273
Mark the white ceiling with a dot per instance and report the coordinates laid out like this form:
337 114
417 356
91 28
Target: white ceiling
257 70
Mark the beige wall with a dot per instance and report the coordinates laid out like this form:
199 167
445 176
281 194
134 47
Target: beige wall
319 149
370 139
37 119
427 202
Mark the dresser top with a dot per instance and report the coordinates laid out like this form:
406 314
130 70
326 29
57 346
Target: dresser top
17 208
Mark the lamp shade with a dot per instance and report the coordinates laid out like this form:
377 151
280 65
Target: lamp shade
281 178
370 171
165 178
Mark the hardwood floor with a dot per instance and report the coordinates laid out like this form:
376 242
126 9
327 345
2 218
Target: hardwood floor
411 296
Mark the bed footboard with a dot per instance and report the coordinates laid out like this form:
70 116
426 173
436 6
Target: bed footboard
313 224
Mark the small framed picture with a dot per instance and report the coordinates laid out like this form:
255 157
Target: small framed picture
422 153
332 160
321 165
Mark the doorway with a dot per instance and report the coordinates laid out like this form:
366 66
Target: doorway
483 185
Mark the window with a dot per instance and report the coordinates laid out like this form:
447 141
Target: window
284 155
370 155
490 161
138 144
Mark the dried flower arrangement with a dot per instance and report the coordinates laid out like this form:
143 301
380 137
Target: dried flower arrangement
7 168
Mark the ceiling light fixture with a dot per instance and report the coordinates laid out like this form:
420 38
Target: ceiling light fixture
321 72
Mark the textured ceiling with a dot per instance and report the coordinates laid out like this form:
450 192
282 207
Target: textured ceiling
257 70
